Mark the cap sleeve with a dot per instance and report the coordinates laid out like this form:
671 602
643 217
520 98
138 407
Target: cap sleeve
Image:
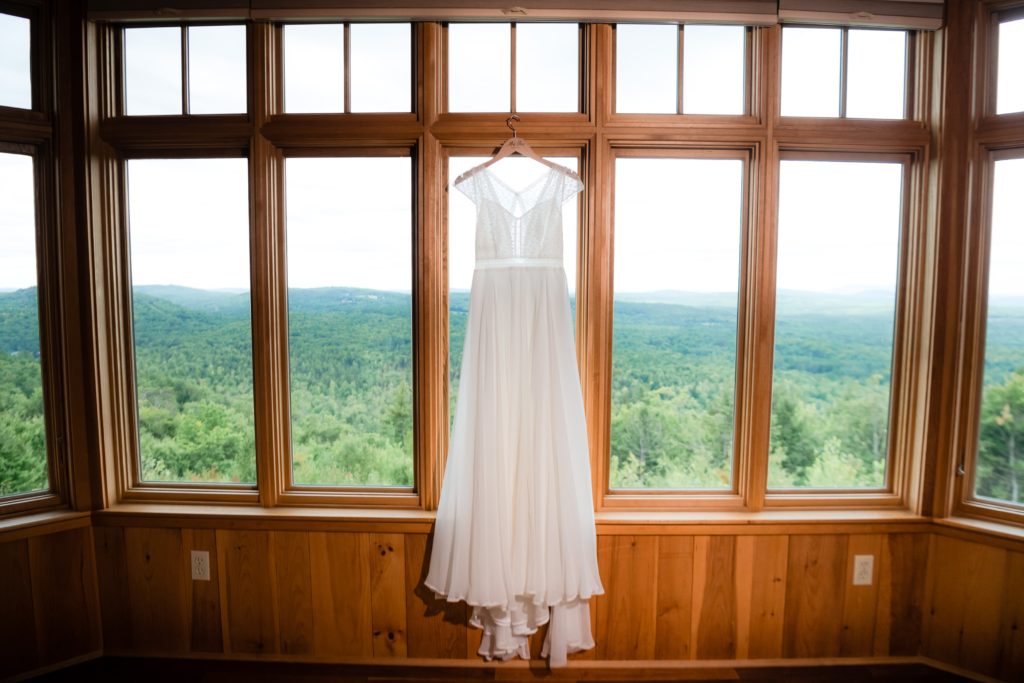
469 186
571 186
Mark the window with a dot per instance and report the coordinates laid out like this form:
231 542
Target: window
349 226
191 319
650 80
15 62
545 68
999 463
837 273
1010 67
23 463
299 339
678 226
214 69
347 68
854 73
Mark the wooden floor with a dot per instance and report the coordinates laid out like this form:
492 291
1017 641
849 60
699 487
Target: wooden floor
147 670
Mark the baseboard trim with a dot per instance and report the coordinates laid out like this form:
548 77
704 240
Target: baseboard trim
56 666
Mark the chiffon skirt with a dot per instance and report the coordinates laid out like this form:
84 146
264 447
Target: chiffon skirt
514 536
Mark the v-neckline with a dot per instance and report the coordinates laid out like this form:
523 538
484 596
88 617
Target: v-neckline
518 194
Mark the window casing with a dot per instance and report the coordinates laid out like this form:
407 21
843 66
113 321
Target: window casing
428 136
29 134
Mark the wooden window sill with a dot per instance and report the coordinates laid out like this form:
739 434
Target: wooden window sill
39 523
969 528
421 521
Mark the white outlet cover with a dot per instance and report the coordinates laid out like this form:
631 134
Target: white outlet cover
200 565
863 570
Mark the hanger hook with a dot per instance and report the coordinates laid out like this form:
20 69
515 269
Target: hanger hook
511 126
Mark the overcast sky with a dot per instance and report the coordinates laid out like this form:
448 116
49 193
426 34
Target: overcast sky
677 221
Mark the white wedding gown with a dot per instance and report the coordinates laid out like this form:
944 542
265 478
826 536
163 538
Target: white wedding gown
515 535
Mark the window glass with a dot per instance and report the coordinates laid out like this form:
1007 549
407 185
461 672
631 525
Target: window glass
350 320
811 60
999 470
22 427
517 172
381 67
152 70
15 62
877 63
678 224
216 70
838 254
646 68
547 67
479 67
314 68
1010 69
189 236
714 69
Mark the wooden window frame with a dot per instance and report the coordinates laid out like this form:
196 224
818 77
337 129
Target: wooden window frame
751 112
33 132
429 135
909 80
991 137
584 111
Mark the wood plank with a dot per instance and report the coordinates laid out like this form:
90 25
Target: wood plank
1011 630
294 591
716 633
112 574
814 595
64 595
340 574
436 627
626 616
249 606
860 603
768 597
744 587
965 604
675 583
205 628
906 557
18 625
387 594
156 589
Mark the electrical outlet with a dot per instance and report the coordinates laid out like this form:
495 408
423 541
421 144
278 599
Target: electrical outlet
200 565
863 570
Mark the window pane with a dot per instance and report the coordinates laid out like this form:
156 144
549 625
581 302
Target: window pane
1010 78
350 320
22 429
876 83
381 67
547 67
677 255
314 68
152 70
838 253
646 68
999 470
189 225
479 67
714 69
810 71
216 69
15 62
517 172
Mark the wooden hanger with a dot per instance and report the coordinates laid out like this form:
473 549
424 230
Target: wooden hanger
515 145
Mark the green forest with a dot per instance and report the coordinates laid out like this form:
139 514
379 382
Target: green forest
351 389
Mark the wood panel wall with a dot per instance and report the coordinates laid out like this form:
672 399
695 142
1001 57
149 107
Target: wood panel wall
335 596
49 612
